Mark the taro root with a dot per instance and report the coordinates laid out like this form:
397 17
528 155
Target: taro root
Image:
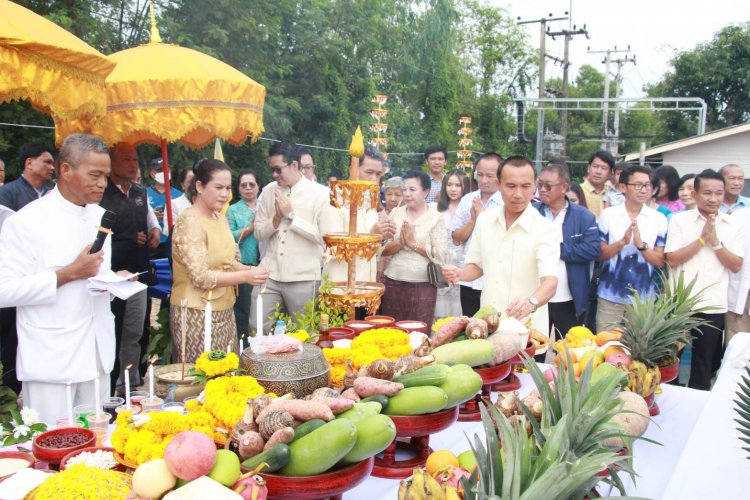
274 421
493 322
260 403
410 363
380 368
507 403
351 374
326 392
424 348
534 404
521 422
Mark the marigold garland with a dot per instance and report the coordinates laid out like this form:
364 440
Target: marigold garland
300 335
440 322
214 366
82 481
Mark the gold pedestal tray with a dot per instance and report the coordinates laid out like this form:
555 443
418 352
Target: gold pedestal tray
353 193
365 294
300 372
344 246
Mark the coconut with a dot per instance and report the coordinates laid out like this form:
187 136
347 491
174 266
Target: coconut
633 418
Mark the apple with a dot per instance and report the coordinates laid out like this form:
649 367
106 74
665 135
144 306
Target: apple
467 461
190 455
594 356
226 470
618 357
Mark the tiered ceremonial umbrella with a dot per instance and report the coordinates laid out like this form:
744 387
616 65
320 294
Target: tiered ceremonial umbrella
59 73
162 93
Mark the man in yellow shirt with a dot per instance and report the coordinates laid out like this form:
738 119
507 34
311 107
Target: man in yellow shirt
601 165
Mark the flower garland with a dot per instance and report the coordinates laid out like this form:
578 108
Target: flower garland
83 481
393 343
212 364
379 343
300 335
225 399
147 441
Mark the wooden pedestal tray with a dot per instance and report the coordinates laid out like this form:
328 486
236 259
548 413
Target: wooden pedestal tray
469 411
512 382
668 374
330 484
417 430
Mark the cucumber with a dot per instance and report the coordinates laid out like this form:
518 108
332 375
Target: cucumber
374 434
427 375
462 384
472 352
321 449
276 458
378 398
306 428
459 338
361 410
417 401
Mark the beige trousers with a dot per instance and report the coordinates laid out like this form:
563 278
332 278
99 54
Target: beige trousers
608 314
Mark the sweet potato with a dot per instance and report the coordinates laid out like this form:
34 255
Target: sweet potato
250 445
337 405
299 409
351 394
450 330
281 436
368 386
506 346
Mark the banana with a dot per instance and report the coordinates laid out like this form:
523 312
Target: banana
450 493
403 488
417 487
432 487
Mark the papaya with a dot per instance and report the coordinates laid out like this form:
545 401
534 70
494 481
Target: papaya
473 352
321 449
461 385
374 434
417 401
361 410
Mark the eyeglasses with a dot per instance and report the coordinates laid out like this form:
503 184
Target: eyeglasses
277 170
546 186
640 187
248 185
308 167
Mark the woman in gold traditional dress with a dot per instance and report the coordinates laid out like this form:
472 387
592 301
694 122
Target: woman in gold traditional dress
206 266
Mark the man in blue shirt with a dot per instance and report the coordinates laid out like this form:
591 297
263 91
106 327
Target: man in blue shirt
632 236
37 167
734 178
157 198
579 247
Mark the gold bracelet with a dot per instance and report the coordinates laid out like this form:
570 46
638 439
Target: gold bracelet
702 241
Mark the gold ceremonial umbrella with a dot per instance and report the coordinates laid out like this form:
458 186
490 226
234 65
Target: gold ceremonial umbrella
59 73
160 93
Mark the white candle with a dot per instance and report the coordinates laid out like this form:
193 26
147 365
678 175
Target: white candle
259 316
207 326
97 397
70 405
239 344
127 387
151 381
229 348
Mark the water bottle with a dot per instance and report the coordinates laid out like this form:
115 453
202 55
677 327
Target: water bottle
280 328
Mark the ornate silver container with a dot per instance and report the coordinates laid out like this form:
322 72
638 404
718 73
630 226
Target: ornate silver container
299 372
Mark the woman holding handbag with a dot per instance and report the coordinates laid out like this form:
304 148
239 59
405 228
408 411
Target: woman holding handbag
420 238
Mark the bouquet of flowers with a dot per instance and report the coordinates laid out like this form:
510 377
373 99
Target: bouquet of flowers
23 426
212 364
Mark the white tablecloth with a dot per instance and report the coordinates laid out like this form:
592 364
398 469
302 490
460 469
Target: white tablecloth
713 464
680 408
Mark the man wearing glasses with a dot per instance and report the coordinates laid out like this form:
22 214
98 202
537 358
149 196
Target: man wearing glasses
579 247
293 215
632 239
306 164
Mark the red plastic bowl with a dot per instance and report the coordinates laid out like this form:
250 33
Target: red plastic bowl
359 325
55 455
494 374
423 425
414 326
329 484
117 467
17 454
381 321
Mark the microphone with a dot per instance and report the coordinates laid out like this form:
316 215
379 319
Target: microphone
108 220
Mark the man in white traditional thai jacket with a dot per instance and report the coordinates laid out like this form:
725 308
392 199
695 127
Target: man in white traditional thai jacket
65 334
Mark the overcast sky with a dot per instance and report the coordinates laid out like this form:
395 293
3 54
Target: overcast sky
654 29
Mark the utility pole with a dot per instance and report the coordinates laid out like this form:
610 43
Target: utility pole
607 61
543 32
618 88
542 61
568 34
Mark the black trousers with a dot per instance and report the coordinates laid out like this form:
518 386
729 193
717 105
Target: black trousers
470 300
707 346
9 347
562 315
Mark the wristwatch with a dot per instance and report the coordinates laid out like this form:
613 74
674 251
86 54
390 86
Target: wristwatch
718 247
534 303
644 247
290 216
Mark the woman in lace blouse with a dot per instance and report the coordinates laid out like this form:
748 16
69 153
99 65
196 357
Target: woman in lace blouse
420 236
206 266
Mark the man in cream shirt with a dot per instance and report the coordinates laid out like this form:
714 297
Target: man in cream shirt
65 334
515 248
293 216
706 245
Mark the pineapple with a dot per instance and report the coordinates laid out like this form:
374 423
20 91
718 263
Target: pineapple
655 328
743 410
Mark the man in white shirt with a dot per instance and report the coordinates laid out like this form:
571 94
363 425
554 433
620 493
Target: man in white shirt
471 205
706 245
65 334
293 215
734 178
515 248
738 315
